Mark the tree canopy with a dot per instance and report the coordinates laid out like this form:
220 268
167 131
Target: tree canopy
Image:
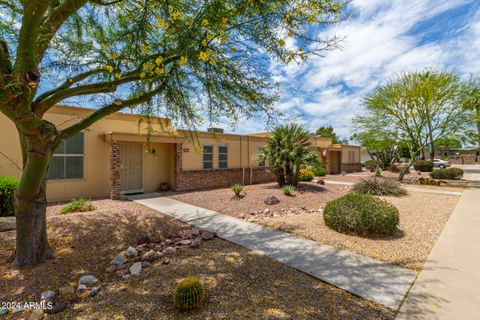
185 59
417 108
329 132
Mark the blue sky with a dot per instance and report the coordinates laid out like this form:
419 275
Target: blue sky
382 39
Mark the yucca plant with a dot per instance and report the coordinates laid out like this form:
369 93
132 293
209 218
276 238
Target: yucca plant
288 190
379 187
237 189
189 294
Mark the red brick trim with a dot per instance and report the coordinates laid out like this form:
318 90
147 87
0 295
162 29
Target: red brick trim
115 165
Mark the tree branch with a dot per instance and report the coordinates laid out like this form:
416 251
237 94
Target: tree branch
11 6
107 110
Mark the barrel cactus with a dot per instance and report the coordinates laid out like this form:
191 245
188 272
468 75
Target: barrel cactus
189 294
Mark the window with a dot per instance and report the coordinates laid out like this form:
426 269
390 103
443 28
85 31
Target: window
207 157
261 163
222 157
67 161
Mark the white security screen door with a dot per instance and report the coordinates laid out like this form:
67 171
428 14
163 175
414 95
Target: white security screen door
131 155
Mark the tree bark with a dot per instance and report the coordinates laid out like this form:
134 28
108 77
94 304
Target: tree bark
32 245
280 175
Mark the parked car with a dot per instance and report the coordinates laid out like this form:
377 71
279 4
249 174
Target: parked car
439 163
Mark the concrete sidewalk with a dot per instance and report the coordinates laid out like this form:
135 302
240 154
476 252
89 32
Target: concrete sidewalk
423 190
366 277
448 287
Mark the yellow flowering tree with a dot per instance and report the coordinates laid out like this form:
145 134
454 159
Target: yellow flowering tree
187 58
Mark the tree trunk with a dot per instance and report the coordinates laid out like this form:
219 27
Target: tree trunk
405 170
280 175
422 152
31 245
477 109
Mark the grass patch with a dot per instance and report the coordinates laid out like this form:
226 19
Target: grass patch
77 205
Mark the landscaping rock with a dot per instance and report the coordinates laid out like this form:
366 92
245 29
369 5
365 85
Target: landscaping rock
266 211
196 243
120 273
111 269
18 309
131 252
170 250
271 200
7 224
126 277
207 235
190 233
57 308
3 311
94 291
118 260
81 287
150 256
47 295
184 242
123 267
136 269
321 181
88 280
37 314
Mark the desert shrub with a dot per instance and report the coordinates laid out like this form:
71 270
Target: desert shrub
288 190
320 172
78 205
372 165
361 214
305 174
189 294
237 189
8 186
378 172
379 187
423 166
428 181
449 173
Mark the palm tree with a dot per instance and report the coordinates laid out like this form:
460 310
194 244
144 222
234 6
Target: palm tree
287 150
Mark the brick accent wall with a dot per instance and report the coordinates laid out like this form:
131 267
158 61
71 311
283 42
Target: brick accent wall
217 178
351 167
463 159
115 165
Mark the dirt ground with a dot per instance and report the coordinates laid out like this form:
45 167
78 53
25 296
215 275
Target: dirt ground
239 283
422 218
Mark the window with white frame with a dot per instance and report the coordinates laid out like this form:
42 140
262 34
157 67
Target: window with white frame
207 157
261 163
222 157
67 161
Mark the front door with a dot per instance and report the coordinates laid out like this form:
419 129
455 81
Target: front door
131 157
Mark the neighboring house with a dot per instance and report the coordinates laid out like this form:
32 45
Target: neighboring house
115 156
459 155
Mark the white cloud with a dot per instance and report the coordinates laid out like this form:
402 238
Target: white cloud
378 44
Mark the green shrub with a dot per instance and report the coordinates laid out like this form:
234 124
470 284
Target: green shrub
379 187
305 175
189 294
428 181
8 186
372 165
378 172
237 189
288 190
361 214
448 174
320 172
78 205
423 166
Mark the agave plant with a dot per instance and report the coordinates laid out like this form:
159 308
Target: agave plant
287 150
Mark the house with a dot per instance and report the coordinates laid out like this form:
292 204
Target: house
469 155
115 156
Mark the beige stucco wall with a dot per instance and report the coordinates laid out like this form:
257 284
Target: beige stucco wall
241 150
346 149
96 181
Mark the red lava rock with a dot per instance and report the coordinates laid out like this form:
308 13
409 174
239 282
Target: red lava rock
184 242
207 235
151 245
169 241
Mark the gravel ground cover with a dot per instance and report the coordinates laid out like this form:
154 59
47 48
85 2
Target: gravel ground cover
239 283
422 218
357 176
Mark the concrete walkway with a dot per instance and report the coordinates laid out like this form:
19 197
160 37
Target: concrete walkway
448 287
371 279
423 190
